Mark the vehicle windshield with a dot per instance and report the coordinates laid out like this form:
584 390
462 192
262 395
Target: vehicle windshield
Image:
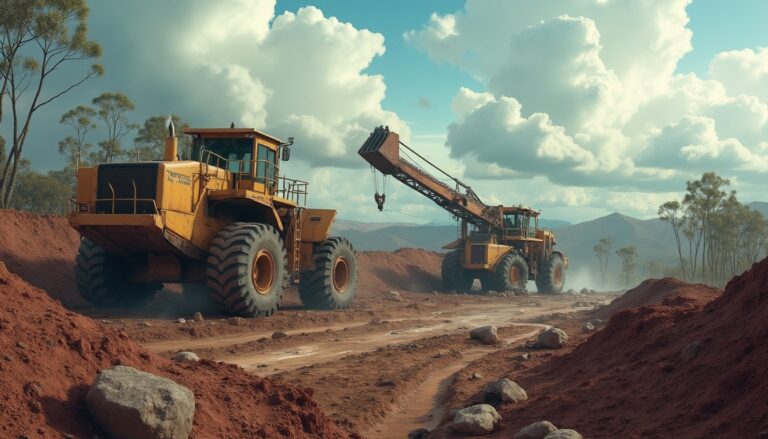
232 149
516 221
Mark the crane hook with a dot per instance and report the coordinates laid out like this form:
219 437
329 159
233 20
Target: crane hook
380 199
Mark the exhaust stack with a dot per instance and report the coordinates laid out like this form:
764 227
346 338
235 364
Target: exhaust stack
171 143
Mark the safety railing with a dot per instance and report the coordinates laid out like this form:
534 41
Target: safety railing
259 171
135 205
520 232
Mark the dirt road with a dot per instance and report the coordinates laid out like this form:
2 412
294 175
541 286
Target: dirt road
384 369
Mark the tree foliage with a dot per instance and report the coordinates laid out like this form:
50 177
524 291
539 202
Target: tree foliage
75 148
37 39
149 144
602 251
723 236
628 256
111 110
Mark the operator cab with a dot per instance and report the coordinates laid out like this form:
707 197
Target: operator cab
522 222
250 155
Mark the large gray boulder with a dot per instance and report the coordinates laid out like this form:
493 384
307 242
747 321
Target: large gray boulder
537 430
552 338
186 357
504 390
563 434
129 404
485 334
476 419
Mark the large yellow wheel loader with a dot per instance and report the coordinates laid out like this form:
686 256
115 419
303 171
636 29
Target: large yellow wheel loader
502 246
224 219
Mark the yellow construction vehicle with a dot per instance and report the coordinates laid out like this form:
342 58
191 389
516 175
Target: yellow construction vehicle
505 247
225 219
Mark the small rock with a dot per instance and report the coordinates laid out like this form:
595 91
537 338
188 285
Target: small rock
128 403
33 389
236 321
596 322
476 419
563 434
198 317
7 357
420 433
524 357
21 345
552 338
537 430
181 320
145 324
69 436
691 350
186 357
504 390
571 292
383 382
476 376
588 327
277 335
394 296
485 334
584 291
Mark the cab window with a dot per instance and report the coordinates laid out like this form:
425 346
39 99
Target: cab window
238 152
265 165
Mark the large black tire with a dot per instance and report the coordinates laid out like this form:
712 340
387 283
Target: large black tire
511 273
102 279
453 274
246 271
551 278
332 284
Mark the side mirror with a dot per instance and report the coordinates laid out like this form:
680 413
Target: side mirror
286 154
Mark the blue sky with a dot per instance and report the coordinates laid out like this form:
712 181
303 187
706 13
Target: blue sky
625 139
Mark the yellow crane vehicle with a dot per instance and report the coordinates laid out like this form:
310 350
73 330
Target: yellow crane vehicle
225 219
502 246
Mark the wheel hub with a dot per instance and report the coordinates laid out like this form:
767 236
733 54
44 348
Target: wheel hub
341 275
514 274
263 272
558 275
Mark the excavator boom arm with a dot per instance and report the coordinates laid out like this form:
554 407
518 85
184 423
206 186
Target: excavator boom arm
382 151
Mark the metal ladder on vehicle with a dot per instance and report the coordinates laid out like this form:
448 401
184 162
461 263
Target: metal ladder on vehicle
296 253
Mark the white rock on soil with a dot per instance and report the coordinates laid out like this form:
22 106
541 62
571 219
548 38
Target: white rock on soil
394 296
537 430
552 338
186 357
504 390
198 317
588 327
181 320
476 419
127 403
563 434
485 334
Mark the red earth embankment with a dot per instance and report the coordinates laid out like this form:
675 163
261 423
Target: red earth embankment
661 291
49 356
682 370
407 269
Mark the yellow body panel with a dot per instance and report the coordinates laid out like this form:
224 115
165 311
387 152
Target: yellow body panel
492 254
316 224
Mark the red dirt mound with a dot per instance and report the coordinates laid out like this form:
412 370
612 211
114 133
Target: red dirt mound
407 269
668 291
662 371
41 249
49 357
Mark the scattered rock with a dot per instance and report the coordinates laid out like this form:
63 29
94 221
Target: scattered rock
394 296
236 321
186 357
691 350
476 419
537 430
128 403
420 433
384 382
33 389
524 357
485 334
588 327
552 338
21 345
571 292
563 434
198 317
7 357
277 335
596 322
584 291
181 320
504 390
476 376
145 324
